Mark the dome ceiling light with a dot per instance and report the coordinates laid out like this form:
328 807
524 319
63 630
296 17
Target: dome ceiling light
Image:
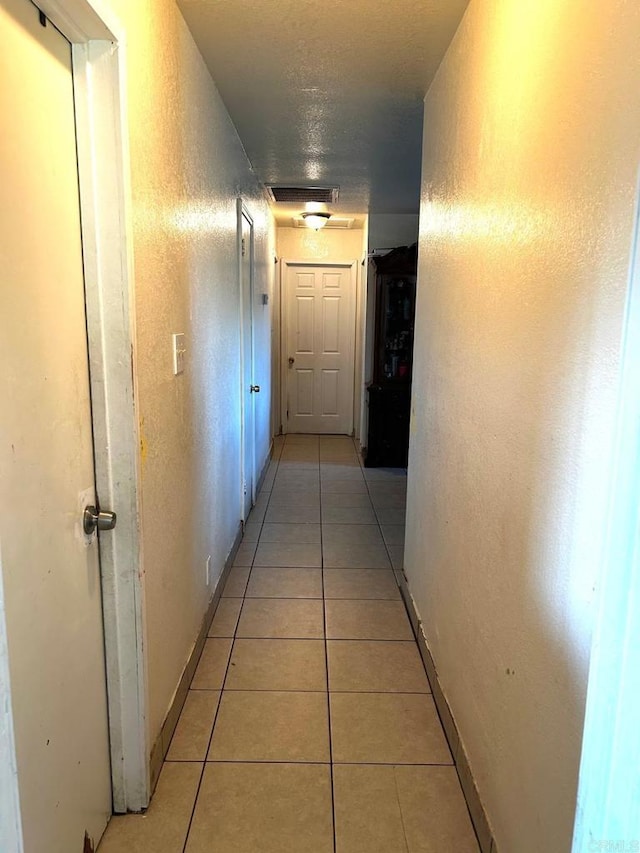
316 220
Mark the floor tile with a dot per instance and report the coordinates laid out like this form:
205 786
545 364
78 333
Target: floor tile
285 583
212 665
366 620
391 515
191 737
351 534
277 665
251 531
284 496
396 555
345 555
337 487
236 582
388 475
303 455
348 515
393 534
245 553
340 471
270 808
360 584
302 438
347 500
268 788
293 514
401 810
256 515
297 534
386 728
281 618
339 458
386 488
389 500
373 667
271 726
226 618
285 465
299 478
280 554
163 827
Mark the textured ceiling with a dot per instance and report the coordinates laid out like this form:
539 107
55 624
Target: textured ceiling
329 92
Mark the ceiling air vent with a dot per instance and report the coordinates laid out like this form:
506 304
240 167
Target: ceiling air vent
301 195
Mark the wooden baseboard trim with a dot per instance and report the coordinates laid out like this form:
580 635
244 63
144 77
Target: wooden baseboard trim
161 744
467 782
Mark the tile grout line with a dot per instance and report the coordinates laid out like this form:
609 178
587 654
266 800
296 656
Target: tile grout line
224 679
326 660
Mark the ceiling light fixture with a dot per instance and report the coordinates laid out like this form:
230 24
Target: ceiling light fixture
316 220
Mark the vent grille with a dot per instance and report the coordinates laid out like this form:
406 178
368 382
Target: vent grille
301 195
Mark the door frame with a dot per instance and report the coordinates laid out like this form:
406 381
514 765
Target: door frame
284 328
99 71
244 213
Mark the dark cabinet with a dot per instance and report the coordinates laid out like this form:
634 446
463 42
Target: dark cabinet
389 394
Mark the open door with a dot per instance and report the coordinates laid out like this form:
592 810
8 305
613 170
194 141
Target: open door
249 389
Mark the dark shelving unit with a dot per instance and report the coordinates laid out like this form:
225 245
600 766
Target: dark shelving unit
389 394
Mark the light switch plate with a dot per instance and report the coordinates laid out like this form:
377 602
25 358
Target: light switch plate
178 352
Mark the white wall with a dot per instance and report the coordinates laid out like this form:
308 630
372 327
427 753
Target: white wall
532 130
328 245
187 169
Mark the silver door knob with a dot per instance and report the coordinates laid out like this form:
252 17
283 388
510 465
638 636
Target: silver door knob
291 360
92 518
255 389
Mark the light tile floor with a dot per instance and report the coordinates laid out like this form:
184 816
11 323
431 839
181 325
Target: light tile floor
309 725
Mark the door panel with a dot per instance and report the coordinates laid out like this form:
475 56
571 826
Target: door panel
331 325
329 405
305 306
320 338
50 568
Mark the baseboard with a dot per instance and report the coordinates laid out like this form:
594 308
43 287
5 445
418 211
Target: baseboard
161 744
265 468
467 782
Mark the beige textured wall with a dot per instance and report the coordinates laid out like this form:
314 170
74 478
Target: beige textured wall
187 169
326 245
532 132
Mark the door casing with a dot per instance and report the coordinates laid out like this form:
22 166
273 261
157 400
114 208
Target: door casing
105 198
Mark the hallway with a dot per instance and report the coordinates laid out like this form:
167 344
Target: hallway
302 718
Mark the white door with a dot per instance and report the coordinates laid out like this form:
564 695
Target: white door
248 386
319 343
50 568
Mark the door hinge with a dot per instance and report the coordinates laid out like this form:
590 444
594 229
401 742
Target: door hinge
243 248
